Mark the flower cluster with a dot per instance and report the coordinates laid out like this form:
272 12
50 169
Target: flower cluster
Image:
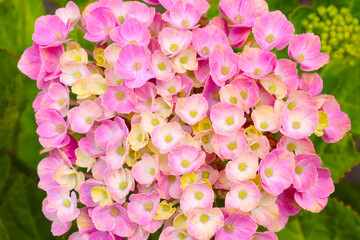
177 122
338 29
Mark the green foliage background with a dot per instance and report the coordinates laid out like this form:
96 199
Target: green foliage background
20 199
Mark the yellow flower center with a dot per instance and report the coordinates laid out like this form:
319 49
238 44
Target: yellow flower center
238 18
272 89
270 38
268 172
300 57
193 113
205 175
299 170
296 125
168 138
172 90
60 128
255 146
66 203
77 75
120 96
204 218
205 139
62 102
171 178
199 195
229 228
88 120
155 122
148 207
166 208
181 236
161 66
225 70
121 19
233 100
152 171
243 94
242 194
291 106
291 147
137 66
232 146
185 23
257 72
185 163
58 36
115 212
183 59
242 167
264 125
230 121
205 51
121 150
174 47
123 185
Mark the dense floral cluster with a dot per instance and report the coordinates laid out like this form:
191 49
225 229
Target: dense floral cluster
164 126
338 29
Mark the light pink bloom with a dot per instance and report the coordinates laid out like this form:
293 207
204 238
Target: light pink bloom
58 227
226 118
223 64
185 159
312 83
316 198
203 223
142 207
243 167
273 30
119 182
50 31
303 145
72 73
145 170
207 172
174 41
257 63
106 133
205 39
140 11
339 122
169 186
167 136
243 12
276 170
267 211
202 5
196 195
30 62
56 96
243 196
146 98
258 145
99 22
131 32
120 99
202 74
62 204
113 218
161 66
300 122
248 90
238 36
89 145
268 235
305 175
85 192
227 146
84 217
305 49
132 65
182 15
52 128
46 171
223 182
266 119
70 13
174 233
287 72
82 118
237 226
192 109
230 94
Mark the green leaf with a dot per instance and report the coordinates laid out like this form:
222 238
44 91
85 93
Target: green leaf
348 193
3 234
5 165
335 222
17 23
339 157
286 8
213 10
20 209
298 15
336 3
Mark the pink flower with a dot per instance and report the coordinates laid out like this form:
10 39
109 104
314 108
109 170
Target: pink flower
202 5
204 223
30 62
46 171
52 128
312 83
243 196
257 63
82 118
169 186
161 66
142 207
192 109
266 119
99 23
273 30
113 218
287 72
305 49
70 73
236 226
58 227
196 195
174 41
226 118
268 235
276 170
298 146
120 99
50 31
228 146
62 204
205 39
339 122
140 11
248 90
300 122
243 12
133 64
287 204
131 32
167 136
223 64
120 182
316 198
243 167
174 233
267 212
305 175
182 15
70 13
145 170
185 159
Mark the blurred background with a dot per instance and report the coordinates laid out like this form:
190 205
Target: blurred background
335 21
